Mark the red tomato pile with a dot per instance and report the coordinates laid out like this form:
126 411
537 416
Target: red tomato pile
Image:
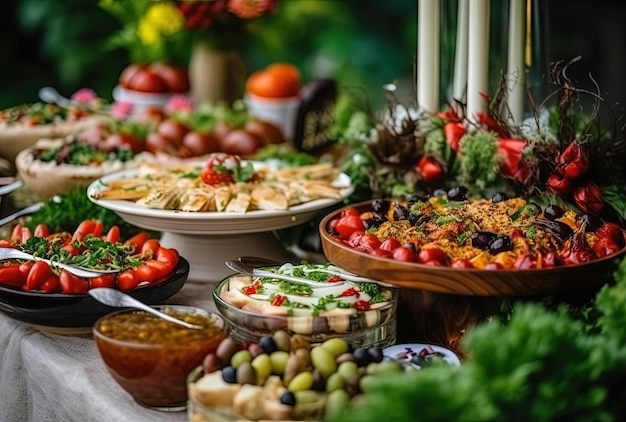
155 78
154 263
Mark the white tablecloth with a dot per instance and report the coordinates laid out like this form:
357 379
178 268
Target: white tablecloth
47 377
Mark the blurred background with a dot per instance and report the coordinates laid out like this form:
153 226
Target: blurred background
363 44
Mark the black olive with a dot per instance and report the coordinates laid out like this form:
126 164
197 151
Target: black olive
552 212
458 193
562 230
412 198
381 206
400 213
592 222
500 244
288 398
268 344
499 197
229 375
439 192
362 357
376 354
481 240
373 222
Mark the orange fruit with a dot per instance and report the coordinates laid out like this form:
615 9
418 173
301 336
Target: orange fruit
278 80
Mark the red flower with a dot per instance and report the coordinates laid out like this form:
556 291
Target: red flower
454 132
512 164
250 9
558 185
588 197
573 161
492 125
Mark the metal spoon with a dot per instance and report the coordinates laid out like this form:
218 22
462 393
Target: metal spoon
31 209
47 94
11 253
10 187
256 272
113 297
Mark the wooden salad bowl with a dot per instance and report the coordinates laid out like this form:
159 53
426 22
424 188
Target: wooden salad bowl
469 282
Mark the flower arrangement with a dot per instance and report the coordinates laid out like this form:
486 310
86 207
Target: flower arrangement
560 155
154 30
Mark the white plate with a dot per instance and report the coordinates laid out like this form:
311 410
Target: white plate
448 355
212 223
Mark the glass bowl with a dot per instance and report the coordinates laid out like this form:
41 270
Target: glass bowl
373 327
205 404
151 358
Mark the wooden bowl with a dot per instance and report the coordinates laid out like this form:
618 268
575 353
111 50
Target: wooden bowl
471 282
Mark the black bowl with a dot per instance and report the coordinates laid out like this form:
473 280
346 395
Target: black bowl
61 310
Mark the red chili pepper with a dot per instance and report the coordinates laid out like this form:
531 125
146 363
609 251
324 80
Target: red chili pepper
512 165
573 161
251 289
334 279
588 197
279 300
493 125
350 292
362 305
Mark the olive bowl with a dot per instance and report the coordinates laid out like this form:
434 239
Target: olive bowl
470 281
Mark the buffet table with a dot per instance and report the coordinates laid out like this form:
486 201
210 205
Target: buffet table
53 377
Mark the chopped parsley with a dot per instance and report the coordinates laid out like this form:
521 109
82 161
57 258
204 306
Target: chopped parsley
293 288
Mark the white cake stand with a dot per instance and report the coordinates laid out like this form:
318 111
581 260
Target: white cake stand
207 239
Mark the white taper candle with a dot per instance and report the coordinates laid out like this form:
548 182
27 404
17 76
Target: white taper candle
428 55
478 58
516 70
459 83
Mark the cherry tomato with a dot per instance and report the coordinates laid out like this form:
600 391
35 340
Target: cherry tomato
145 273
368 243
493 266
138 240
348 225
611 231
381 253
51 285
432 255
84 228
145 81
113 235
163 269
159 143
404 253
16 234
26 234
98 229
549 260
201 143
71 284
167 255
355 238
361 305
128 72
390 244
105 280
350 211
431 171
281 80
462 263
38 274
4 243
41 230
525 262
268 132
127 280
11 275
74 248
121 141
26 266
150 248
605 246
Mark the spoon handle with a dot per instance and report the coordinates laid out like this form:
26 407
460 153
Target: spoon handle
131 301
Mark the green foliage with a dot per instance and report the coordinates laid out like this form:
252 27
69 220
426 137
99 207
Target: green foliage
538 365
478 159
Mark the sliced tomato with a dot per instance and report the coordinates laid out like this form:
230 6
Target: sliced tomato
390 244
10 275
138 240
38 274
150 248
348 225
84 228
146 273
51 285
113 235
127 280
105 280
41 230
71 284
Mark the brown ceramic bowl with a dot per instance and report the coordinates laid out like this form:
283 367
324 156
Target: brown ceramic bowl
474 282
151 358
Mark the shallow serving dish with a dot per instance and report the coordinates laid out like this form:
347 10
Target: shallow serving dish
474 282
59 310
212 223
374 327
